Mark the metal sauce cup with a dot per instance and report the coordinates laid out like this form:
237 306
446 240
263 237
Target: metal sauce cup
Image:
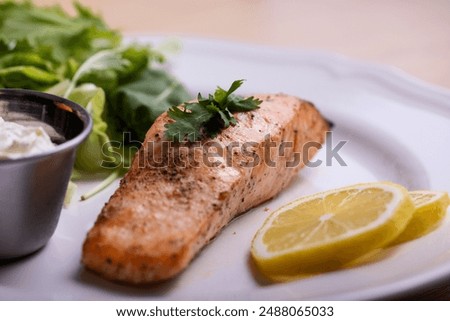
32 189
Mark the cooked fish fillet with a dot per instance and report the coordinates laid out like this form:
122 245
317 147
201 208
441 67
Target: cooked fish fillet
175 199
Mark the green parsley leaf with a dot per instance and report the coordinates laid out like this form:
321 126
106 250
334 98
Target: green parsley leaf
208 116
189 122
237 104
221 95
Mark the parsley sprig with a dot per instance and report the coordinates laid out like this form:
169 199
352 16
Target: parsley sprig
208 116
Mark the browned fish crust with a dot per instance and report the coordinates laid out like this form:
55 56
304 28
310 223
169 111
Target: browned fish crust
173 201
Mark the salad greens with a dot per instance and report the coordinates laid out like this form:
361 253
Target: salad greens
49 40
124 87
208 116
138 96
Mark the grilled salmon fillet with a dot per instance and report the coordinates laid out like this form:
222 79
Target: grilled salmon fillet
176 197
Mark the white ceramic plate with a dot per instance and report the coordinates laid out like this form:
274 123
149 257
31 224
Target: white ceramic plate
397 129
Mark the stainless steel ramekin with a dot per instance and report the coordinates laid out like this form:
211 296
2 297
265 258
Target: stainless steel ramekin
32 189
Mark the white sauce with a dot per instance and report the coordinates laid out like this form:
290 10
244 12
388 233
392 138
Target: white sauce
18 141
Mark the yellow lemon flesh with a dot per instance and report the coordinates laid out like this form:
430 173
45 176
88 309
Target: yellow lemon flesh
325 231
430 209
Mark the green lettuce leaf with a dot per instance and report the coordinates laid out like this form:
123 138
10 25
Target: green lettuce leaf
109 68
77 37
94 152
28 77
137 103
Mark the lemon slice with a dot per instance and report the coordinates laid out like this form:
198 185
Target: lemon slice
324 231
430 209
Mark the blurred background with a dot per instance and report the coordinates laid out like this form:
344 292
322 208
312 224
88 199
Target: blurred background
412 35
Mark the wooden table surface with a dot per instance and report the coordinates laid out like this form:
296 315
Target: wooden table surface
411 35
